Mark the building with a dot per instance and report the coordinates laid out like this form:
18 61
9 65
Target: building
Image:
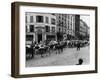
77 26
84 30
65 26
61 26
88 33
40 27
70 23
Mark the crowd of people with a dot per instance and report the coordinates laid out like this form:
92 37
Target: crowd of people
48 47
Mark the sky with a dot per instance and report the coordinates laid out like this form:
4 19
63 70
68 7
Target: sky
86 19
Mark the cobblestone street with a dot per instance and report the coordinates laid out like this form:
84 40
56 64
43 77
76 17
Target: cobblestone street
70 56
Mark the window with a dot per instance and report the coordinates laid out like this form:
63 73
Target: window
53 21
53 29
47 28
31 28
68 26
68 16
65 30
29 37
68 32
59 17
26 29
59 23
46 19
53 14
26 19
31 19
39 18
59 29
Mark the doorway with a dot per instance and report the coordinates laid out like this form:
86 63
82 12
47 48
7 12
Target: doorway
39 38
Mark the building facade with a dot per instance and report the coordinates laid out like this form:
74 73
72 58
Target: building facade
40 27
61 26
77 26
84 30
70 26
65 26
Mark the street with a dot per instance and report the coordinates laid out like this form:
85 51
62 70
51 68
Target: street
69 56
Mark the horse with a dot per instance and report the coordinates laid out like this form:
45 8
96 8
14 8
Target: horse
30 51
58 48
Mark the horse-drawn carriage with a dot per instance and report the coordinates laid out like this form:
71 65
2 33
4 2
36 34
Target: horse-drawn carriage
38 49
41 49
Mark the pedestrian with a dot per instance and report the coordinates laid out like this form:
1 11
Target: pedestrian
32 44
78 46
42 49
36 48
32 50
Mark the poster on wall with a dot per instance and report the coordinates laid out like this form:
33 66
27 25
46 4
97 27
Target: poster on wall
53 39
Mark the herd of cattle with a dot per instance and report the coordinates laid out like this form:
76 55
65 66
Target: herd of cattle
58 47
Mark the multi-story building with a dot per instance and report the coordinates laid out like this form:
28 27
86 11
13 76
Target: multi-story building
70 23
65 26
61 26
40 27
84 30
77 26
88 33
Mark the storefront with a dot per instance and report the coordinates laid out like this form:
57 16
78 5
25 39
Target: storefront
50 37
